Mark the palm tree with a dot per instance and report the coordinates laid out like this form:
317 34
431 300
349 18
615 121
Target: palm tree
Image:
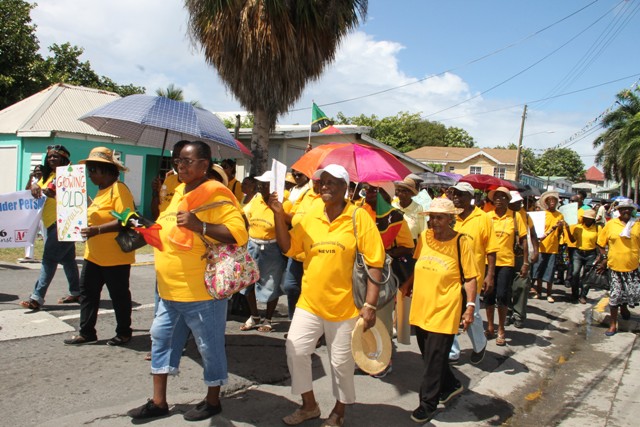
619 144
175 93
266 51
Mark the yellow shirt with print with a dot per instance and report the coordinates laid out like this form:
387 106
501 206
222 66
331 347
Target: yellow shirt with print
564 239
168 188
330 249
504 229
299 209
623 252
549 245
586 237
180 272
479 228
437 287
49 210
236 188
103 249
261 223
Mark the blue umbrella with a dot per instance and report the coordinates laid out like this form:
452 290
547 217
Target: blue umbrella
155 121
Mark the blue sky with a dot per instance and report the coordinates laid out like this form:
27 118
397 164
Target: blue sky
144 42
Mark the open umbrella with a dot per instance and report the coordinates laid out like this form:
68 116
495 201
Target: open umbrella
431 179
486 182
156 121
364 163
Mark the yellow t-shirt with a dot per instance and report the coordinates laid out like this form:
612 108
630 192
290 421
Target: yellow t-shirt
586 237
236 188
180 273
479 228
504 230
564 238
49 210
549 245
103 249
437 287
261 223
304 204
169 188
330 249
623 252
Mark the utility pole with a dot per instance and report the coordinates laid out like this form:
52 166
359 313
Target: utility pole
519 152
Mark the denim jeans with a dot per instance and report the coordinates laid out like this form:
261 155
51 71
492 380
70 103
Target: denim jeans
56 252
293 284
271 264
581 260
170 329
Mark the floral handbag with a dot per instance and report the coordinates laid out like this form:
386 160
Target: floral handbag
230 268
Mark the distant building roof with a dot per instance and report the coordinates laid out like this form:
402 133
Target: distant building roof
594 174
462 154
55 109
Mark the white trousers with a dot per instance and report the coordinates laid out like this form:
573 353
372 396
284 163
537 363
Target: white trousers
305 331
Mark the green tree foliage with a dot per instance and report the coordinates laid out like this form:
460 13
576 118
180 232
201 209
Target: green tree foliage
24 72
246 122
528 157
457 137
175 93
560 162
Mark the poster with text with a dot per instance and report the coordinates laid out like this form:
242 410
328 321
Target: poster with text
71 202
20 214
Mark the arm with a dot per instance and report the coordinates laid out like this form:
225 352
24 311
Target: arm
470 287
94 230
536 245
191 222
282 229
569 233
524 270
406 288
156 185
368 310
491 272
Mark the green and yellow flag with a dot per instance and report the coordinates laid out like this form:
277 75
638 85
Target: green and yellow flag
320 122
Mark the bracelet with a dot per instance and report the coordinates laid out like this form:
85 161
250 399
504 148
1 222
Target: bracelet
471 304
99 230
204 228
371 306
527 264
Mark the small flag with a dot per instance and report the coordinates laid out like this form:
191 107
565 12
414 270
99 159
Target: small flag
388 220
320 122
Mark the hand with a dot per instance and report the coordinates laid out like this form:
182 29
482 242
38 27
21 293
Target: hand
602 266
524 271
467 317
406 289
89 232
274 204
189 221
36 191
534 258
487 286
369 316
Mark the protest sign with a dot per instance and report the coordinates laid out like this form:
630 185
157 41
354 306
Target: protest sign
538 219
20 214
71 202
570 213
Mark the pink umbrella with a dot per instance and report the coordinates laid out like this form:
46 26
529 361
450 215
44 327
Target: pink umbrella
486 182
364 163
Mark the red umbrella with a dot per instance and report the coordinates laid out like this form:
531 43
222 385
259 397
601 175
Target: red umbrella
487 182
364 163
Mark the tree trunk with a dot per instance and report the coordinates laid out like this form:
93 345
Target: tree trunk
635 191
260 142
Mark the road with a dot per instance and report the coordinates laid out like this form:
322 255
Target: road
559 370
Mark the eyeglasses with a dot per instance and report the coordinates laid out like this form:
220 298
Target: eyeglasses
184 161
296 174
54 147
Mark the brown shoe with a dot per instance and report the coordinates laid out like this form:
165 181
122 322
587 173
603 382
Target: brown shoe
300 416
69 299
582 300
30 304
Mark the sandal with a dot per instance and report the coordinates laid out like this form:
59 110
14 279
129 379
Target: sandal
147 357
550 299
535 295
300 415
69 299
30 304
334 420
79 339
266 326
118 340
501 341
250 323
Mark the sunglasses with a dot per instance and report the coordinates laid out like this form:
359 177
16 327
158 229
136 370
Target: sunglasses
184 161
54 147
296 174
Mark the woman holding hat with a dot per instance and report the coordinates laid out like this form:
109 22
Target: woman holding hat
622 237
326 235
511 235
104 262
445 268
55 251
584 235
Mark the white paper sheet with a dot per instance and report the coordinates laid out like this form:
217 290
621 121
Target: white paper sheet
570 212
538 218
279 173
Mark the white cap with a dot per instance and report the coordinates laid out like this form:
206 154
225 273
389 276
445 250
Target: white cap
515 197
265 177
334 170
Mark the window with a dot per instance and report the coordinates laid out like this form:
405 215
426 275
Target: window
475 170
452 168
499 172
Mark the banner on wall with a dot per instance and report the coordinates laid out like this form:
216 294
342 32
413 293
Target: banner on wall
20 215
71 202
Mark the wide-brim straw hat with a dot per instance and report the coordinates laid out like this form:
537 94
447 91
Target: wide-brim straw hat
408 184
589 213
545 196
372 349
504 190
442 205
104 155
289 178
217 168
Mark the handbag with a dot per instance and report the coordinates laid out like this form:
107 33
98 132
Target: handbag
360 277
230 268
596 280
129 239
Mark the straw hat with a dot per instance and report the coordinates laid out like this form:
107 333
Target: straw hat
372 349
408 184
289 178
103 155
589 213
504 190
442 205
545 196
218 169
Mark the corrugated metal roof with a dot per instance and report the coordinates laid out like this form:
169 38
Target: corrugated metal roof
55 109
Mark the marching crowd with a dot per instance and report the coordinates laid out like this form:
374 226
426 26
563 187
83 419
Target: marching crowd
463 251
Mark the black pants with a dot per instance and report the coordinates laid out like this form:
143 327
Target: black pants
92 279
438 376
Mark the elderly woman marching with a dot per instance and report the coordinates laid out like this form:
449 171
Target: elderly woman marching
622 236
326 235
445 268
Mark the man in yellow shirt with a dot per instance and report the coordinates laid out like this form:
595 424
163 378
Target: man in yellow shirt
476 224
163 190
544 269
229 167
584 237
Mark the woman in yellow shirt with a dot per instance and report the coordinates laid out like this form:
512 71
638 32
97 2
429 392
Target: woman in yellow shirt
584 237
445 267
104 262
622 236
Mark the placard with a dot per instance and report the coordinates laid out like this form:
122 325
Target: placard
570 213
278 175
538 218
20 214
71 202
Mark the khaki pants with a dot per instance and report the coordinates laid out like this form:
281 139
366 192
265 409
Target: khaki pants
305 330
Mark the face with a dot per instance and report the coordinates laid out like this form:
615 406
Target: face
500 200
552 203
332 189
190 167
301 179
96 173
228 169
625 214
404 195
588 221
461 199
54 160
248 186
440 221
263 188
371 195
37 172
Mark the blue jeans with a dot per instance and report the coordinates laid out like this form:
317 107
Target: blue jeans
293 284
545 267
170 329
56 252
271 264
581 261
